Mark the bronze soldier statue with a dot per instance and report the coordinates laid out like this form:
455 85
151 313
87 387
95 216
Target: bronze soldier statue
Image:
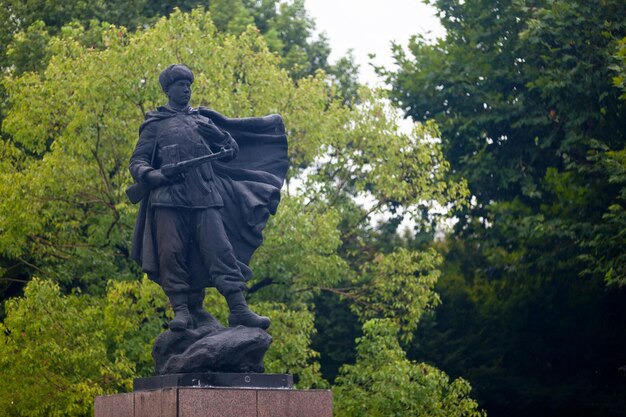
203 216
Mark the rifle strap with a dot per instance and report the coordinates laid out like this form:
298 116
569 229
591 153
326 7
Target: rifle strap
153 153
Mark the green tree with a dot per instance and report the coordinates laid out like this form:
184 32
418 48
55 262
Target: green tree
384 383
70 130
523 94
30 27
287 27
57 352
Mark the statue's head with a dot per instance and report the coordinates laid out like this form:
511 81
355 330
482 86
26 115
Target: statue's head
176 83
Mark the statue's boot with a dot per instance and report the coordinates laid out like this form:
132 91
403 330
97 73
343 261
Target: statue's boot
240 313
199 315
182 319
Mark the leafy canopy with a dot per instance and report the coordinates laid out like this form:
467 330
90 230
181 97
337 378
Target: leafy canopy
285 25
384 383
66 141
529 98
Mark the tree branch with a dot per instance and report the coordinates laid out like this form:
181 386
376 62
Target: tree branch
261 284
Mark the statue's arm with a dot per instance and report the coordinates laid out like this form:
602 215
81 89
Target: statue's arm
227 143
217 138
141 159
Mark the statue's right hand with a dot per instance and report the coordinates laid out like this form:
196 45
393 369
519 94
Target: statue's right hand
156 178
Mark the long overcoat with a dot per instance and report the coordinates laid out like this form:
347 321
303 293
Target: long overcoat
249 186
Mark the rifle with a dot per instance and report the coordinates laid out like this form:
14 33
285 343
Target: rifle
138 191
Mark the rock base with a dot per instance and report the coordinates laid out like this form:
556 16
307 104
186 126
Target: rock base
217 402
211 348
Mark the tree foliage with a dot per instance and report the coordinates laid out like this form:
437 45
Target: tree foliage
523 94
69 132
529 99
286 26
59 351
384 383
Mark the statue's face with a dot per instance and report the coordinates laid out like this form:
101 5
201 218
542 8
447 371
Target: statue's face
179 93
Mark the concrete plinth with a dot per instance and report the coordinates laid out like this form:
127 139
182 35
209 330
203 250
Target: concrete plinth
217 402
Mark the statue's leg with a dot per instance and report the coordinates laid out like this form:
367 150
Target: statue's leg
182 318
196 309
219 257
172 233
240 313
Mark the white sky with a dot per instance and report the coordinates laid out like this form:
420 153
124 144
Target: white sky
369 26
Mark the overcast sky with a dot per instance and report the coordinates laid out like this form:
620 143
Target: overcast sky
369 26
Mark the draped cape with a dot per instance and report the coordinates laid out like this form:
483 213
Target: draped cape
249 186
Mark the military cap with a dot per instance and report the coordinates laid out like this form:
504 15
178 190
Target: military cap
174 73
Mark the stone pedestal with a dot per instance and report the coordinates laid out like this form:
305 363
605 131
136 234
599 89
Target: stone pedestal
217 402
214 380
